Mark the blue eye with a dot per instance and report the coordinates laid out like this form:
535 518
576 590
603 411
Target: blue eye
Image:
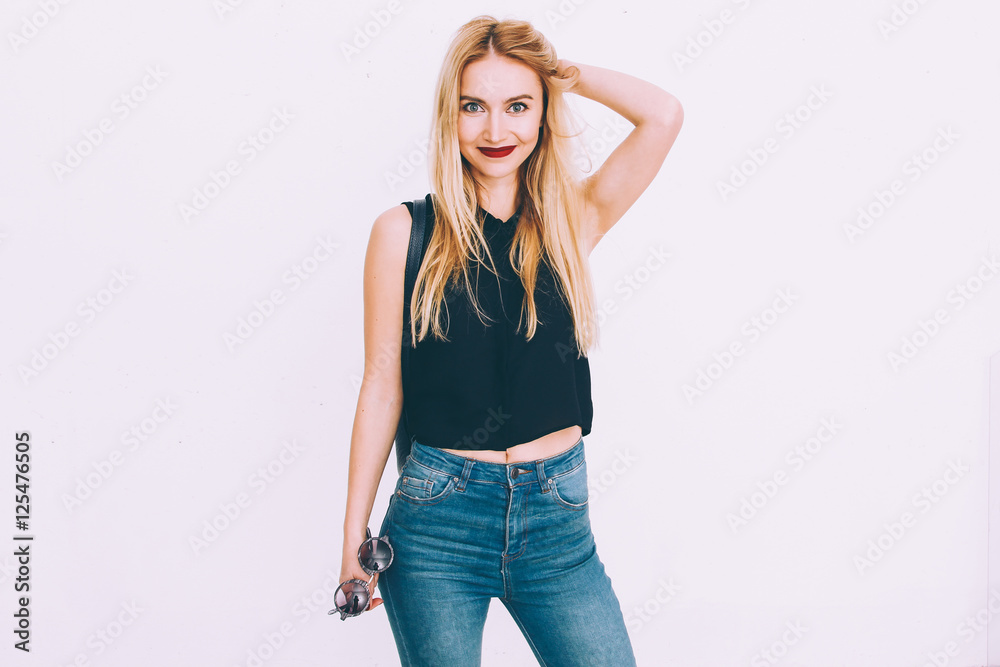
521 107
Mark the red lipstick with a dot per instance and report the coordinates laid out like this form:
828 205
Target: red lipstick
497 152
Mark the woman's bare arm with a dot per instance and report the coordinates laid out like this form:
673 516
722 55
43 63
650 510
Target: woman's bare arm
381 397
631 167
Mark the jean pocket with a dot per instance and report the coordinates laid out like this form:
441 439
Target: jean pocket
571 489
421 485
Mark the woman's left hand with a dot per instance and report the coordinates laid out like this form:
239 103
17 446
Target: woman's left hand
563 70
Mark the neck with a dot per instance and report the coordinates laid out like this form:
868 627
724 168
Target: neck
499 198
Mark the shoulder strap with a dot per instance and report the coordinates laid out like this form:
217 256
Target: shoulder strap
420 231
414 256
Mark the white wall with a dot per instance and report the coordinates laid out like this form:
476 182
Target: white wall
668 468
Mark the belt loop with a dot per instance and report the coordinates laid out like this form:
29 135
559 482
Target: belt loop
540 472
466 471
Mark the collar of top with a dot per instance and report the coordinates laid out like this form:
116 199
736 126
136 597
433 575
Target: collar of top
506 223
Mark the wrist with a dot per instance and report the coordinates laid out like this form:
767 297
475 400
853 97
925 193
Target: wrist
354 531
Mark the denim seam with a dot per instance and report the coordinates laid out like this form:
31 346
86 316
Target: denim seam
524 540
568 472
433 500
505 574
467 478
424 485
431 468
553 485
466 473
540 474
390 608
565 503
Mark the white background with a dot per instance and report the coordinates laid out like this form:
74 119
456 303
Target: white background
114 532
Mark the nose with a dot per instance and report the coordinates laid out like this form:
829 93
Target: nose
495 129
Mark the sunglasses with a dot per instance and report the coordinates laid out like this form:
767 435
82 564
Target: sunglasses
353 596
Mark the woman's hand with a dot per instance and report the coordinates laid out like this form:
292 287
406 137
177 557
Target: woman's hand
565 69
350 568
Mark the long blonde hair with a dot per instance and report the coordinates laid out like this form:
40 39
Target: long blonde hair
549 194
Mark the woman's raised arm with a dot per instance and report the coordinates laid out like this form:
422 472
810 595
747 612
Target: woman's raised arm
631 167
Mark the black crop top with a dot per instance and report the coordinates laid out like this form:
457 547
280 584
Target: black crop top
487 387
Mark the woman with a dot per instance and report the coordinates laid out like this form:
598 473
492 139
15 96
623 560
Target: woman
492 501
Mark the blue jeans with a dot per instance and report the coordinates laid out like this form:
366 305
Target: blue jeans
465 531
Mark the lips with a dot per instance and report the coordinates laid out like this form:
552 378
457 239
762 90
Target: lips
497 152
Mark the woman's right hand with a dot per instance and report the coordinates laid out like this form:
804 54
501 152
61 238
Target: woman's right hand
350 568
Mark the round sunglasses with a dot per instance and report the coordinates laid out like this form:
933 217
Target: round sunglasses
353 596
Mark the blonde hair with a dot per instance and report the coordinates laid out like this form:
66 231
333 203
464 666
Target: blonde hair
549 194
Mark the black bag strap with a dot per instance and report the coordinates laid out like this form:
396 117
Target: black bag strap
420 231
414 256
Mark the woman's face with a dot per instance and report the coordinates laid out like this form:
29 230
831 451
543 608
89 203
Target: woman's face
500 108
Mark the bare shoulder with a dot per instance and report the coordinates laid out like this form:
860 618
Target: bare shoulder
385 266
392 223
385 263
389 241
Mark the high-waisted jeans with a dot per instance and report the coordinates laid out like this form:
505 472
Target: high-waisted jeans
465 531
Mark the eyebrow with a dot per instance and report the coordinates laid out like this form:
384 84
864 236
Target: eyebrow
506 101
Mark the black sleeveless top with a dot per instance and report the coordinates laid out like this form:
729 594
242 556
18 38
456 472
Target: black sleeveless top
488 387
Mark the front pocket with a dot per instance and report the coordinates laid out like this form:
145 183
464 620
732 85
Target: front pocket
415 487
571 489
421 485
